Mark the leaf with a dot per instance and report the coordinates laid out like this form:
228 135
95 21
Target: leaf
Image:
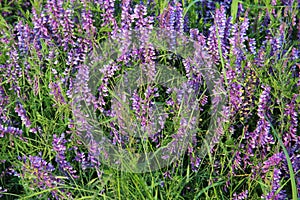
234 9
190 5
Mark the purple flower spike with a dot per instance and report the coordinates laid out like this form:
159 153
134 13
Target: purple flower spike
4 100
9 130
60 149
216 36
261 136
68 25
22 113
24 34
87 22
108 14
275 186
263 102
292 114
237 41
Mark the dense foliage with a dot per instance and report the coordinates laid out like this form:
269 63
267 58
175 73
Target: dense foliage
254 45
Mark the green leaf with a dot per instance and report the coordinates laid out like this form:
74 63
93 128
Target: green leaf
234 9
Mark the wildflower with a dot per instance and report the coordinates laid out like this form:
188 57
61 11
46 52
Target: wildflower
22 113
9 130
292 114
67 25
2 190
240 196
275 160
87 22
41 175
55 90
24 36
60 149
4 100
275 186
261 136
237 41
108 13
216 35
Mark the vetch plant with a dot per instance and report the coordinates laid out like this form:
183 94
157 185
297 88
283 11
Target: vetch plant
135 127
126 99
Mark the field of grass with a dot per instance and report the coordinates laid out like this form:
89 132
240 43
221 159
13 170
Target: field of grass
149 99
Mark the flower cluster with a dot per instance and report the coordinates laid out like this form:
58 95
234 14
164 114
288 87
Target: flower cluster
22 113
40 174
60 149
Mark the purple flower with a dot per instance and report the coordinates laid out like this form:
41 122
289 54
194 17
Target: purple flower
108 72
55 90
95 149
60 149
54 9
2 190
236 92
12 71
9 130
24 35
40 27
22 113
261 136
292 115
4 100
216 35
275 160
67 25
108 13
237 41
186 26
40 174
275 186
252 46
199 37
173 22
179 25
81 158
87 22
260 58
82 94
263 102
240 196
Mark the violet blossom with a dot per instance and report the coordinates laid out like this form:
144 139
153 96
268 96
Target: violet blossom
22 113
60 149
42 174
